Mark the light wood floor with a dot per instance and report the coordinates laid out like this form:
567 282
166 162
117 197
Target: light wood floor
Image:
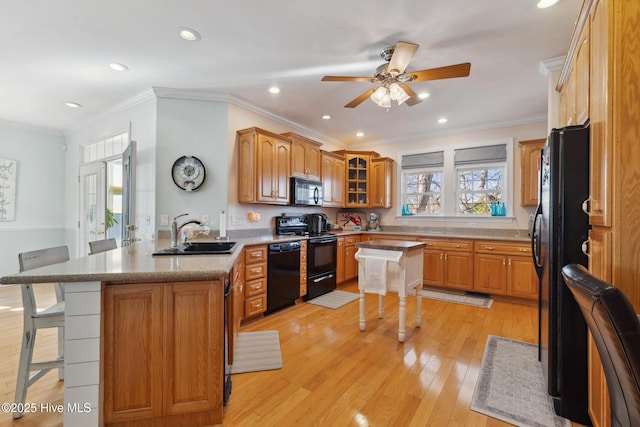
333 374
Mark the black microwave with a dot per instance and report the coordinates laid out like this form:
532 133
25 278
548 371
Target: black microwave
305 192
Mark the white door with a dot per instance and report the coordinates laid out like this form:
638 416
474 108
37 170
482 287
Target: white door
129 194
93 198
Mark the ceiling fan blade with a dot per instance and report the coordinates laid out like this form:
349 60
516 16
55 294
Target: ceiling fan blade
413 97
346 79
449 72
402 54
360 99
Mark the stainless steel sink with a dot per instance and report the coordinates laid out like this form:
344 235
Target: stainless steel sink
199 248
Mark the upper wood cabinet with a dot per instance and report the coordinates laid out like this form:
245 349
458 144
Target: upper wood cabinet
581 70
362 189
264 167
305 156
333 178
381 178
529 154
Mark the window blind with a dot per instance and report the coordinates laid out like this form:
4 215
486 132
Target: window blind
488 153
423 160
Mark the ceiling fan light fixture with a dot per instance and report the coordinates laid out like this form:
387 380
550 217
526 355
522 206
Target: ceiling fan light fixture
382 97
397 93
542 4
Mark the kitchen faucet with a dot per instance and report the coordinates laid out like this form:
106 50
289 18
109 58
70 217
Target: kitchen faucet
175 228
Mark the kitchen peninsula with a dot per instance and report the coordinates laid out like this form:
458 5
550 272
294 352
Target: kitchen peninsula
144 335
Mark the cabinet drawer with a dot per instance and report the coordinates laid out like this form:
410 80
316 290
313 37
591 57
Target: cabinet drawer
507 248
255 305
303 279
255 287
255 271
255 254
303 267
350 240
448 245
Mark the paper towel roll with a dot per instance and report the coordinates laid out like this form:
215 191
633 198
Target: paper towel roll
223 224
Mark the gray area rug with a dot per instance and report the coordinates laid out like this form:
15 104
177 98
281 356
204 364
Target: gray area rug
334 299
474 300
257 351
511 387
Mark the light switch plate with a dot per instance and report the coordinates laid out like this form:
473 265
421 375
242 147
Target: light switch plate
164 219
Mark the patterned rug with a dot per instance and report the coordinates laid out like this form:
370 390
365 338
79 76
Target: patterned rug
334 299
257 351
511 386
467 299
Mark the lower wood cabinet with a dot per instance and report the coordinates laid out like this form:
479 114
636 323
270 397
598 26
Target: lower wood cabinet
505 268
163 353
340 260
255 290
350 263
448 263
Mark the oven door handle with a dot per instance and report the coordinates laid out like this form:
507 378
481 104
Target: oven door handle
320 279
322 241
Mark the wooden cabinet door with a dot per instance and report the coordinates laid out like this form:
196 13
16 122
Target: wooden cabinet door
601 148
273 170
599 405
490 274
380 192
327 180
340 265
192 372
522 280
357 181
433 267
339 175
529 154
582 76
313 161
247 168
458 270
133 382
298 156
350 263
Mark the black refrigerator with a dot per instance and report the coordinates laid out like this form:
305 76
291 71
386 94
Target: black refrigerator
559 228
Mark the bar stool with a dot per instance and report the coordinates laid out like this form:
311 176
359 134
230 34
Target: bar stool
102 245
52 317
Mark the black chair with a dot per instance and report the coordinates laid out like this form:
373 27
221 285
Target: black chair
615 329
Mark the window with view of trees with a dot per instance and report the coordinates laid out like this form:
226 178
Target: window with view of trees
455 182
423 192
478 189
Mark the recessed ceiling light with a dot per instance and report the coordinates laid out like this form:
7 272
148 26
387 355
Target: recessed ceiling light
360 134
72 104
423 95
118 67
326 117
442 120
188 34
546 3
274 89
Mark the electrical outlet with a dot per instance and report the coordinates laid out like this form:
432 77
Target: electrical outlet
205 219
473 224
236 220
164 219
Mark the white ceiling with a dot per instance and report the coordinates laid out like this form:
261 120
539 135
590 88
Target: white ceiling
57 51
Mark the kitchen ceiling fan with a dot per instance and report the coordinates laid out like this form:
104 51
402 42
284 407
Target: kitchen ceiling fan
392 77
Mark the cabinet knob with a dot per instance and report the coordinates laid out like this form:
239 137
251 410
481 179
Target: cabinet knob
586 206
490 248
585 247
457 245
504 262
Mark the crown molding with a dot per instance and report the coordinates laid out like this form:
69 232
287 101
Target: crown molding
549 65
189 94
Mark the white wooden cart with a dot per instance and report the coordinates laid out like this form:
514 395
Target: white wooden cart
390 265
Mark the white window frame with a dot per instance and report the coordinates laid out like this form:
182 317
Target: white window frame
450 184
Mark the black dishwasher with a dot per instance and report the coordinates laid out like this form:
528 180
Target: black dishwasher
283 278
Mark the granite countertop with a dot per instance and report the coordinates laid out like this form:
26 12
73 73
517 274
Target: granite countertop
132 264
135 263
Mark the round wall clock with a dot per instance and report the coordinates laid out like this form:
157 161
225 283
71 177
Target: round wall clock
188 173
